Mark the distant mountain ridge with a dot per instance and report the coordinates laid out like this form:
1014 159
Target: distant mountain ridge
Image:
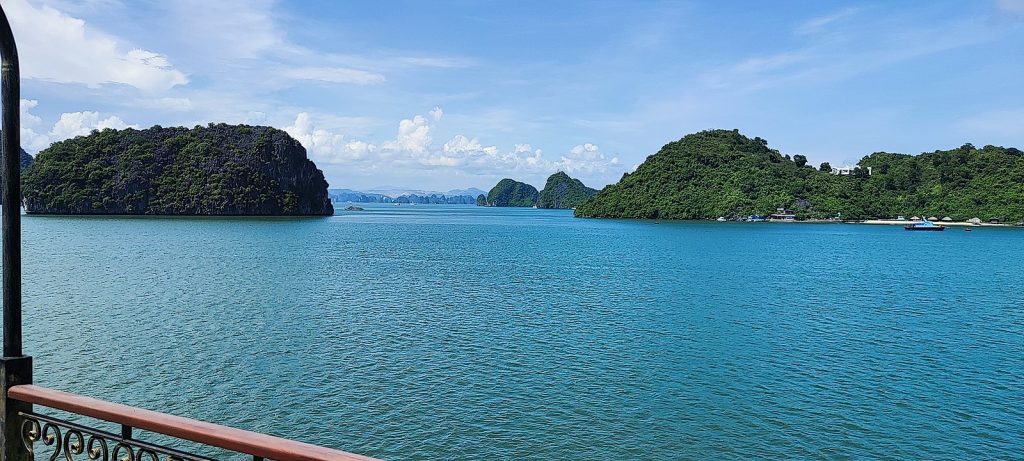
400 195
472 191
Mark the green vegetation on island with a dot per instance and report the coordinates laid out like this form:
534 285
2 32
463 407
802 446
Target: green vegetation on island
213 170
723 173
562 191
511 193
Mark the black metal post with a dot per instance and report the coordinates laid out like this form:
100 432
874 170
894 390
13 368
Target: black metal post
15 367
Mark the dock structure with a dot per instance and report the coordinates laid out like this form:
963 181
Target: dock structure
24 432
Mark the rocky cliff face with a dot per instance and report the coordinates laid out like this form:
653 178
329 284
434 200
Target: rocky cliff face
213 170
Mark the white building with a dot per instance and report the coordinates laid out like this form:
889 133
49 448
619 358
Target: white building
847 170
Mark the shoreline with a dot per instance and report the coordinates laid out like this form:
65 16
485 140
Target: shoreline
903 222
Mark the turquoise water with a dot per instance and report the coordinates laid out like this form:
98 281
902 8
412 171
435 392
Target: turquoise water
457 332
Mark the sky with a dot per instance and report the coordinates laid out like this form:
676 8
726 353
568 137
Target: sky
454 94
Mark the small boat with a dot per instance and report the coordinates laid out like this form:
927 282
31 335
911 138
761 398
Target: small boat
924 225
721 219
967 229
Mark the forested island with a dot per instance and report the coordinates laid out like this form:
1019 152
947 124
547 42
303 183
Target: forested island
224 169
510 193
218 169
722 173
560 191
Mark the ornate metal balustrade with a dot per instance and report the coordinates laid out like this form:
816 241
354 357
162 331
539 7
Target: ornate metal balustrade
57 437
25 433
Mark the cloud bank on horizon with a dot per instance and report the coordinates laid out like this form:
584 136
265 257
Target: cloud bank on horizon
448 96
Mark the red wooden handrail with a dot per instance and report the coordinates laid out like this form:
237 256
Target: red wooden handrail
238 440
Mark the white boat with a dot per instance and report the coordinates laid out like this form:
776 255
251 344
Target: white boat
721 219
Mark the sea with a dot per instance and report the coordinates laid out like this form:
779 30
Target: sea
472 333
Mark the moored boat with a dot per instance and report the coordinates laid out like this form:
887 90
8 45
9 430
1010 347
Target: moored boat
924 225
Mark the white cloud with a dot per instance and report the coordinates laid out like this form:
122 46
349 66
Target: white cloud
30 139
436 113
335 75
229 29
461 144
412 150
59 48
69 125
320 143
73 124
244 44
586 160
413 136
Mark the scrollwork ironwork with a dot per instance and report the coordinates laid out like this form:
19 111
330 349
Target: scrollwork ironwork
80 443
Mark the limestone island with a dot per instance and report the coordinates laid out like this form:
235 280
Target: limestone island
726 176
560 191
215 170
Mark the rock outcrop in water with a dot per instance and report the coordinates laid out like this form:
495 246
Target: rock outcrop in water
511 193
213 170
562 191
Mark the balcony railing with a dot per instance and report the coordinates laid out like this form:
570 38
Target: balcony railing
53 437
25 433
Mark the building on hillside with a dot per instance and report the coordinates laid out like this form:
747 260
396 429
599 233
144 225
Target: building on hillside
847 170
782 214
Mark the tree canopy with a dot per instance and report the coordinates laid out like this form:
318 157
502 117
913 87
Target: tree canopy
724 173
216 169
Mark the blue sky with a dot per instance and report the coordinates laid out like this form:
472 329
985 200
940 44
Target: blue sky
441 95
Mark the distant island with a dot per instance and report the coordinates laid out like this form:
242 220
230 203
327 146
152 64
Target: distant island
511 193
722 173
218 169
452 197
560 191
